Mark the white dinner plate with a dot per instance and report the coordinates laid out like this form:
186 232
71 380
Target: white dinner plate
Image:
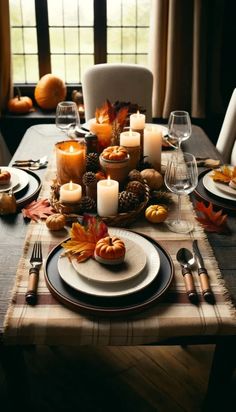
210 185
21 175
150 271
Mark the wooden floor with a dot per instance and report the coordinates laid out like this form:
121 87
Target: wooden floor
132 379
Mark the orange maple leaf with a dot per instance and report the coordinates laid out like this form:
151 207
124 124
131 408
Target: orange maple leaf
224 174
84 238
210 220
39 209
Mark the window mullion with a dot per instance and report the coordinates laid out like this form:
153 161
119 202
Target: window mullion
41 11
100 31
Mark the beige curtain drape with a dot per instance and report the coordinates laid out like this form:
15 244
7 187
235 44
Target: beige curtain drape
185 39
5 55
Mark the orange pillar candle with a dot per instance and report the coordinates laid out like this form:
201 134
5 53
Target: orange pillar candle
71 162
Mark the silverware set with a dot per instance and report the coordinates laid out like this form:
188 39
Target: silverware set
32 164
189 260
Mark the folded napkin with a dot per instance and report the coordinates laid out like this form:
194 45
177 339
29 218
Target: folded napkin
209 163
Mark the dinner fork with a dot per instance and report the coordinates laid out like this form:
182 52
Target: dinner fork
36 261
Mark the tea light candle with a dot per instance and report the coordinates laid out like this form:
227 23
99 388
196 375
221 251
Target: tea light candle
70 193
70 156
137 121
153 145
130 139
107 197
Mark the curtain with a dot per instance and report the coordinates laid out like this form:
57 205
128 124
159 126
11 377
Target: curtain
184 56
5 55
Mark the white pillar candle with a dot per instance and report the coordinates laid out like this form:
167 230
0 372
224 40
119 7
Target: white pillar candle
107 197
130 139
152 145
137 121
70 193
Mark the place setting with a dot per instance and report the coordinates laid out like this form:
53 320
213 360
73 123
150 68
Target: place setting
218 187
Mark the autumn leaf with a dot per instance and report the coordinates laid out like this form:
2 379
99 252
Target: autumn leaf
38 209
224 174
84 238
210 220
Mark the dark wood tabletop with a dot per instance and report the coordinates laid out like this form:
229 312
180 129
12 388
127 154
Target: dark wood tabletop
38 141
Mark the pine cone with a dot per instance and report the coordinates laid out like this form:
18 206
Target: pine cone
135 175
92 162
87 204
89 178
137 188
127 201
161 197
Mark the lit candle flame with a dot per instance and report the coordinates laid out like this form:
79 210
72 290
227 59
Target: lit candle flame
71 149
71 185
138 113
130 132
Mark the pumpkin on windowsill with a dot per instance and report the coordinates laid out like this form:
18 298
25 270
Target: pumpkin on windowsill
20 104
110 250
49 91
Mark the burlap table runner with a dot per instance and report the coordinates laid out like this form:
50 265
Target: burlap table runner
49 322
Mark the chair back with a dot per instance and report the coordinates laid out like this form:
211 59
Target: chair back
117 82
226 143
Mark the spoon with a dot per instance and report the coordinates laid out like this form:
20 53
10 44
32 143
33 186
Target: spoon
186 260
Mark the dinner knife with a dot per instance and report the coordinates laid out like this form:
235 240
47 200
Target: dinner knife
203 275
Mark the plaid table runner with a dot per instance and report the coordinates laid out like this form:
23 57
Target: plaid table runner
51 323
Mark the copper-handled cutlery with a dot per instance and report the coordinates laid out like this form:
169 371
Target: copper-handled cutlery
36 261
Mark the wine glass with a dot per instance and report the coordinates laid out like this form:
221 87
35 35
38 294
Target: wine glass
181 178
67 117
179 127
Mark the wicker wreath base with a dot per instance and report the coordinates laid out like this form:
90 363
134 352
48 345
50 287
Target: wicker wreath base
72 211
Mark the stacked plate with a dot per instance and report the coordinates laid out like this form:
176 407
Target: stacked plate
144 276
218 193
25 185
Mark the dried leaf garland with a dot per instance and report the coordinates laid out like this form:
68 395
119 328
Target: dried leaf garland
38 209
84 238
210 220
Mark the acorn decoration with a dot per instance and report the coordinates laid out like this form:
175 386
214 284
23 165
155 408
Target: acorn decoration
137 188
87 204
92 162
127 201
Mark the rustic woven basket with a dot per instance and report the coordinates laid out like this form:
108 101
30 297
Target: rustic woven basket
120 220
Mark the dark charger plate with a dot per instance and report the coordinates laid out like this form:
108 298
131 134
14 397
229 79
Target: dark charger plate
134 302
30 192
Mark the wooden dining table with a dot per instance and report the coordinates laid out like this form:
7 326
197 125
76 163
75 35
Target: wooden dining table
39 141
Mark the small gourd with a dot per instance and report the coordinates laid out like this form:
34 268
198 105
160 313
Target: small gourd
56 221
20 104
156 213
153 177
110 250
7 203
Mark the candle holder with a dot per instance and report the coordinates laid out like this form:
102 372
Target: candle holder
116 169
70 160
134 156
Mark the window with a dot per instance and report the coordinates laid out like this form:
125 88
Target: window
65 37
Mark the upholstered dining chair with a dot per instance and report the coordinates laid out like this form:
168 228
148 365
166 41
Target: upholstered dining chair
5 156
226 143
117 82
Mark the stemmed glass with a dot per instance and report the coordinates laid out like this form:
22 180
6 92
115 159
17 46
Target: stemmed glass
67 117
179 127
181 178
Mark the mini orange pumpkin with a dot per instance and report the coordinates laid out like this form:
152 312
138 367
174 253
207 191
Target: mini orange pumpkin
110 248
49 91
56 221
116 153
5 177
156 213
20 104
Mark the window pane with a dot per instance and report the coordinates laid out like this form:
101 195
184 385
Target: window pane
56 40
142 59
114 58
113 40
86 41
58 65
18 69
28 13
72 69
129 40
70 10
86 61
86 13
31 64
113 13
15 13
143 12
142 40
129 58
17 41
71 40
129 12
30 40
55 13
